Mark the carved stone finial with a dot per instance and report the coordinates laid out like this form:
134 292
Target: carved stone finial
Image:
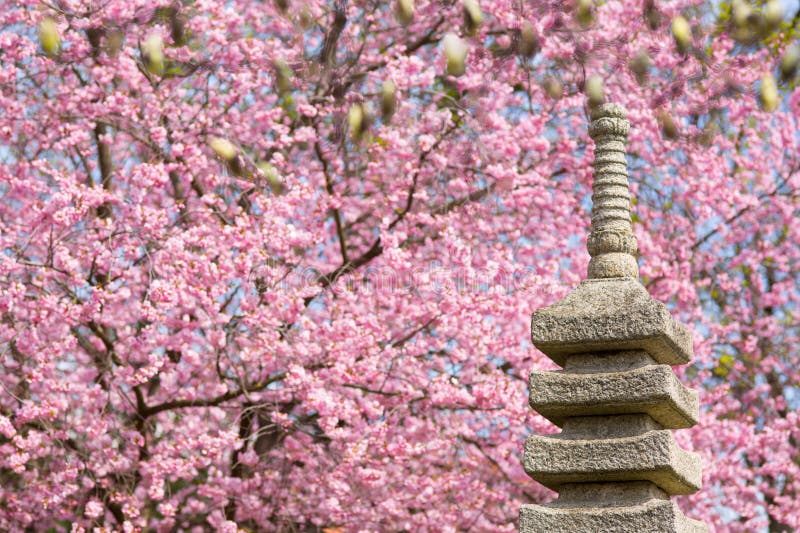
611 242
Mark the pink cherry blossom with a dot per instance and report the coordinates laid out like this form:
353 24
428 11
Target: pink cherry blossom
327 329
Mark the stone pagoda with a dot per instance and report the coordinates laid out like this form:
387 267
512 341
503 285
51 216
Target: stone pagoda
615 463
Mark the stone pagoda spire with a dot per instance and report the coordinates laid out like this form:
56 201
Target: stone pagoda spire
615 463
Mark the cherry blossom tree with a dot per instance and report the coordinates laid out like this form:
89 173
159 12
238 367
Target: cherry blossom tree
270 265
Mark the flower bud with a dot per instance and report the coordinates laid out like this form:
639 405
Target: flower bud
177 25
473 16
553 87
49 37
228 152
640 65
742 13
153 54
790 62
273 178
224 149
305 18
773 13
404 11
528 40
651 14
594 90
358 120
114 42
94 35
668 127
768 93
455 50
709 133
584 12
682 33
388 100
283 76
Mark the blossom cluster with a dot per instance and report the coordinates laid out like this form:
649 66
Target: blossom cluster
270 266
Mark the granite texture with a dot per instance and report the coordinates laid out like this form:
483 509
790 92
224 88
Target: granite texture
654 456
609 315
650 517
615 463
651 389
611 243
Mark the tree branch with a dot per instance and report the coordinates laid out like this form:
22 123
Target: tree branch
328 53
104 164
329 188
209 402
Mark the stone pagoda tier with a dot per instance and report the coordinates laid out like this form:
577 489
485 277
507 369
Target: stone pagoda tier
615 463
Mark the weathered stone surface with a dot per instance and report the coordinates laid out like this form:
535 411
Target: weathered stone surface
613 265
613 464
651 516
611 243
654 456
652 389
610 314
636 506
605 427
589 363
621 494
614 239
